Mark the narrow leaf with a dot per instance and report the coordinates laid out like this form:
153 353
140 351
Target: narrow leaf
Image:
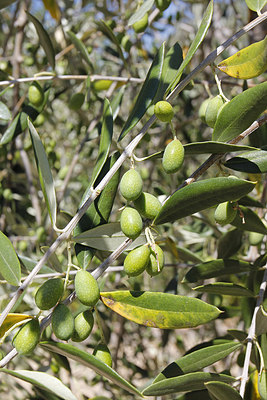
249 201
5 114
44 381
214 268
237 115
45 40
262 384
141 11
256 5
197 360
107 237
105 141
185 383
253 162
222 391
249 221
109 33
9 263
160 310
229 243
45 175
90 361
9 133
201 195
6 3
248 62
147 92
225 288
81 48
201 33
208 147
261 321
11 320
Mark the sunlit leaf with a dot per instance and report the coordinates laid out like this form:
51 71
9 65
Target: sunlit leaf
237 115
147 92
90 361
184 383
10 131
5 114
81 48
248 62
160 310
201 33
45 175
105 141
43 380
197 360
214 268
141 11
45 40
9 263
201 195
225 288
11 320
256 5
249 221
222 391
53 8
253 162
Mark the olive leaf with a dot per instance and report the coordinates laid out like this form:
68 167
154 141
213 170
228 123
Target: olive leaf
9 263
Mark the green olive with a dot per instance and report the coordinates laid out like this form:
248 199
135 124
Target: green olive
202 110
131 223
83 325
173 157
76 101
86 288
62 322
102 352
131 185
141 25
102 84
156 261
255 238
163 4
164 111
225 213
36 94
147 205
49 293
27 337
136 261
212 110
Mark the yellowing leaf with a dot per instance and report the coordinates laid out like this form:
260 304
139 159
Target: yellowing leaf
11 320
248 62
52 7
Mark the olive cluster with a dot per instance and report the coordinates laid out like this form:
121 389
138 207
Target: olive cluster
210 110
150 258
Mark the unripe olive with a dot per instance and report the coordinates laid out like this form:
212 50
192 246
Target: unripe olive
102 352
164 111
62 322
141 25
156 261
83 325
225 213
102 84
173 157
131 222
136 261
126 43
147 205
255 238
86 288
49 293
76 101
131 185
212 110
36 94
27 337
163 4
202 110
39 120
